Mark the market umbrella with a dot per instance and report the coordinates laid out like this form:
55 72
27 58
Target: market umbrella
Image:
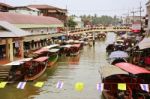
118 54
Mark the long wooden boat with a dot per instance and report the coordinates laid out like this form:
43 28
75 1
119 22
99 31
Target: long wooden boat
129 74
75 49
140 76
53 57
17 70
50 52
110 77
35 68
65 49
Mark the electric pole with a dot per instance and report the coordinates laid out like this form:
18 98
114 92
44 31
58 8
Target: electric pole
133 12
140 11
141 16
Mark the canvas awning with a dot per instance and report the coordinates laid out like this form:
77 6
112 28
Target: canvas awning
145 43
41 59
111 70
18 62
132 68
53 50
52 46
41 50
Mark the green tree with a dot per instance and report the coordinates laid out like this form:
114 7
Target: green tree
71 23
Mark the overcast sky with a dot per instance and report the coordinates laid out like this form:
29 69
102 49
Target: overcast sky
80 7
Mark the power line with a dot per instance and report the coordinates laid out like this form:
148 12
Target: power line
99 10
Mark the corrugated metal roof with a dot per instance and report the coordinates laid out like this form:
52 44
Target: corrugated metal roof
37 25
12 31
15 18
44 6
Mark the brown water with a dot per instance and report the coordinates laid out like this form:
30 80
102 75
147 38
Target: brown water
82 68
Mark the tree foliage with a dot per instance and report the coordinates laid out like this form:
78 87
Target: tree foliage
71 22
96 20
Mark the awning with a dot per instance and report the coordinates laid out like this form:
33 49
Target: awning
76 45
118 54
66 46
41 50
69 41
12 31
19 62
132 68
145 43
41 59
53 50
52 46
111 70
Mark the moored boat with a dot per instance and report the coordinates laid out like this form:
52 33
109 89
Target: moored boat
140 76
50 52
17 70
75 49
129 75
53 57
65 49
110 77
35 68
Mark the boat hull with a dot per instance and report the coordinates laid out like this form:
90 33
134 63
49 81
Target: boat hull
53 61
36 76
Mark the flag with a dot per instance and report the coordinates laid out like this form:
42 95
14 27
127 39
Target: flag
121 86
21 85
145 87
39 84
59 85
100 86
79 86
3 84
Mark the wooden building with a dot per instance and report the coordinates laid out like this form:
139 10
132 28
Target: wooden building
4 7
47 10
39 29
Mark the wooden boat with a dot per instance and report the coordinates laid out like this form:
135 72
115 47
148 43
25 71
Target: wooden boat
50 52
53 57
17 70
114 75
140 76
35 68
65 49
75 49
110 77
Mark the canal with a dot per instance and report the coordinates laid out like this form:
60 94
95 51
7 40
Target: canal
70 70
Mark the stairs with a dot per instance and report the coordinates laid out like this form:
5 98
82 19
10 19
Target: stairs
4 72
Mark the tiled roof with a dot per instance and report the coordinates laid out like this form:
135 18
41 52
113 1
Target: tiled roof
30 8
46 7
15 18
